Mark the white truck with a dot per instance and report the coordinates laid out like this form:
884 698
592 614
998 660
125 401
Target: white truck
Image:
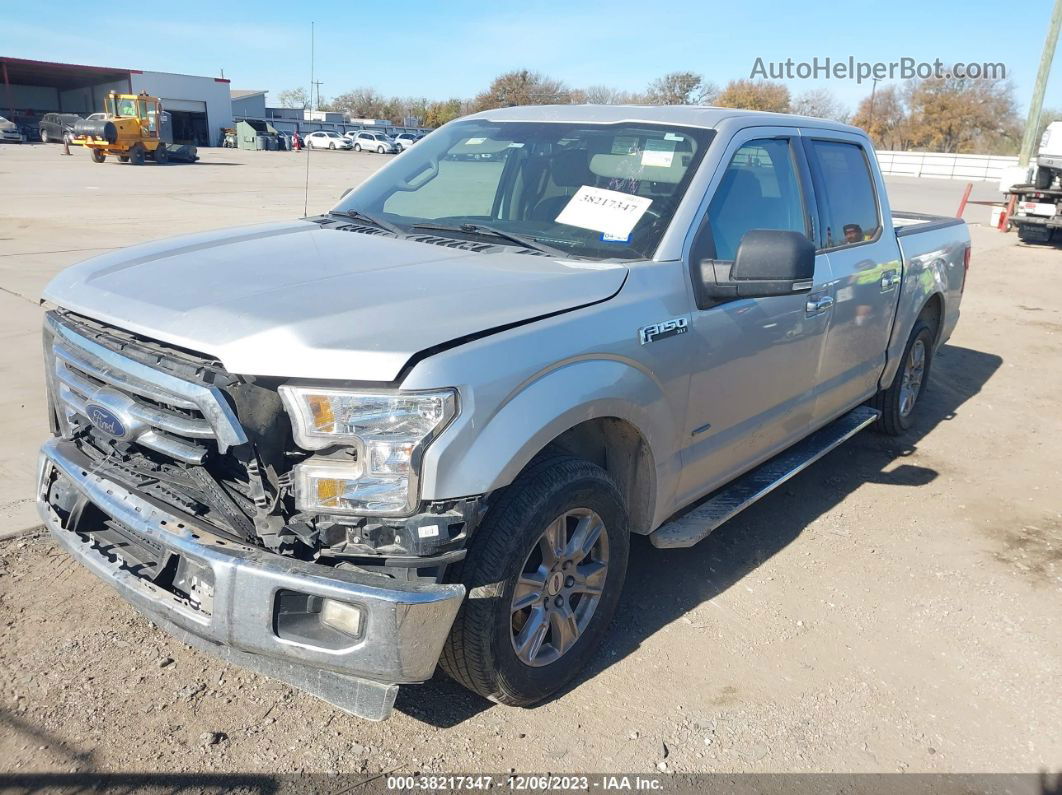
1038 206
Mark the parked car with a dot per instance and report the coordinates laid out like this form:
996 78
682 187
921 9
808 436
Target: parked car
406 140
54 127
326 139
303 451
9 132
374 142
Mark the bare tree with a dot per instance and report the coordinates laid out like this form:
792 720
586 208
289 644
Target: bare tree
755 95
523 87
294 98
821 104
680 88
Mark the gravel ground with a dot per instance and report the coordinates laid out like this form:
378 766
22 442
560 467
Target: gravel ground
894 608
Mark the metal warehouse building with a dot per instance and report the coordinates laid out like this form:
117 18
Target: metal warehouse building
200 107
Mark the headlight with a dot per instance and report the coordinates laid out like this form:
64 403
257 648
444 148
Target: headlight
387 431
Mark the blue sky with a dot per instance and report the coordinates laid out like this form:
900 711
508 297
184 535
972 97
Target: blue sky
442 49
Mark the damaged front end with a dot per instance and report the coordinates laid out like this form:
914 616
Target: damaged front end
193 492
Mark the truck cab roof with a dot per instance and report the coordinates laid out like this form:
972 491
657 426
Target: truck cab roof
706 116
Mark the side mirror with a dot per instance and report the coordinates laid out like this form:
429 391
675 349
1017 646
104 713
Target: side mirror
769 262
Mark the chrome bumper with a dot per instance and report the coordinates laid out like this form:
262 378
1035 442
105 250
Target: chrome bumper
403 625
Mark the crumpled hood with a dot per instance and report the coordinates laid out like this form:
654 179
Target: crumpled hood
301 300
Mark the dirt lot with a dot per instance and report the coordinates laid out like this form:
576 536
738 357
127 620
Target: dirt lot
893 608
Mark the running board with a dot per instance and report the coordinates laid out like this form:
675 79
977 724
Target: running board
696 524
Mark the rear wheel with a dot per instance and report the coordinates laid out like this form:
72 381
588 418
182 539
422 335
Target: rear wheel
137 155
332 145
544 575
357 147
1044 177
98 155
897 403
162 155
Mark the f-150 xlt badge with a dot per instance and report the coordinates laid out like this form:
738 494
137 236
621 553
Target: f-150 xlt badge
663 330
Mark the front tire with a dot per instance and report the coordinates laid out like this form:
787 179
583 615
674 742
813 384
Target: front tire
357 147
98 155
137 155
1044 177
544 574
898 402
379 150
162 155
45 139
332 146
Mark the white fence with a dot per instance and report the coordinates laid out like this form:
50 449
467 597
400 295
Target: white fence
988 168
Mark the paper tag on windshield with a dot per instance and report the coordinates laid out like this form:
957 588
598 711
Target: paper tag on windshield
658 153
604 211
474 141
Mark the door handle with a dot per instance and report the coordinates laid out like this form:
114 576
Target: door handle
890 279
816 306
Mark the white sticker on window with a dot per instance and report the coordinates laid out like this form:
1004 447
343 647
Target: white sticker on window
658 153
428 531
474 141
604 210
672 137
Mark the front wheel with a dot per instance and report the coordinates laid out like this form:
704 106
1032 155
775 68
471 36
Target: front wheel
544 575
379 150
44 137
357 147
98 155
897 403
137 155
332 146
162 155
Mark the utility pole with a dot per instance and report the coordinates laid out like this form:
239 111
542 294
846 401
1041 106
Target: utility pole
1032 124
317 84
312 44
873 89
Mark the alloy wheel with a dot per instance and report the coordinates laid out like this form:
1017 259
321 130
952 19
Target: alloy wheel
559 587
911 381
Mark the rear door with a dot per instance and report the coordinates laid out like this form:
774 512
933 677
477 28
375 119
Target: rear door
865 263
755 361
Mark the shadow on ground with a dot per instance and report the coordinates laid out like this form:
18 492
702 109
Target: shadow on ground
664 585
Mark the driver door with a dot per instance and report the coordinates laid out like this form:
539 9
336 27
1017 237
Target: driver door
754 376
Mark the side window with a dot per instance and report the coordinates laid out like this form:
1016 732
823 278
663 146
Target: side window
759 190
850 206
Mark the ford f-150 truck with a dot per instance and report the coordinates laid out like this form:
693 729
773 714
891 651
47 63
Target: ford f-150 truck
422 427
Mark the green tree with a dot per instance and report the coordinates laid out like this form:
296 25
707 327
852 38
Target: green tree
963 115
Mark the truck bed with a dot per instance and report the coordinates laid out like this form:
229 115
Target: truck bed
909 223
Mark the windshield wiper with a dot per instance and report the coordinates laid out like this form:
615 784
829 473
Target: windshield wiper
490 231
358 215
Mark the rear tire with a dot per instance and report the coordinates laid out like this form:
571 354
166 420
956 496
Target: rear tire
162 156
357 147
898 403
1043 179
137 155
533 618
98 155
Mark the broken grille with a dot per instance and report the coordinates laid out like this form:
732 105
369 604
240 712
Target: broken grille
132 402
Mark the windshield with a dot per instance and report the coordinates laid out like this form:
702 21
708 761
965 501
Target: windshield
601 191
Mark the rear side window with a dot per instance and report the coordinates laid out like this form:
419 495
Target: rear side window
759 190
850 207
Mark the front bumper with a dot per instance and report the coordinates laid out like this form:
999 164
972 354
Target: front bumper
238 615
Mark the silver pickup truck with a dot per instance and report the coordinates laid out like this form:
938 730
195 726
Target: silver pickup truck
421 428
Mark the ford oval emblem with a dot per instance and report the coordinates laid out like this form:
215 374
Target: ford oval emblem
105 420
